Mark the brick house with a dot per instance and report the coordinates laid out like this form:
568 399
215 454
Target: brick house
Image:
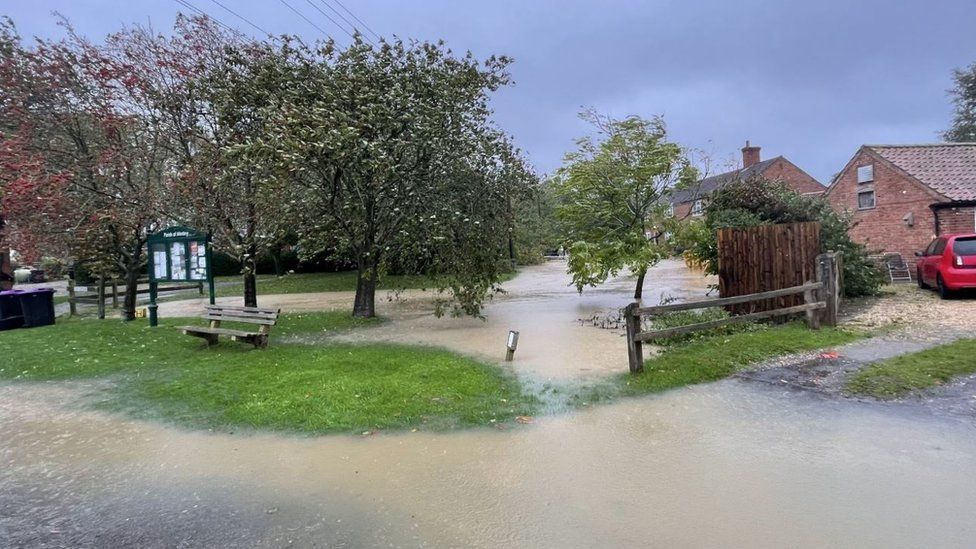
902 196
689 202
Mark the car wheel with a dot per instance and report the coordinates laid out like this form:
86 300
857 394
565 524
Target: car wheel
944 292
918 277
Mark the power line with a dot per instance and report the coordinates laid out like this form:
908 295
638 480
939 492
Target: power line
365 26
307 20
348 22
327 16
241 17
199 11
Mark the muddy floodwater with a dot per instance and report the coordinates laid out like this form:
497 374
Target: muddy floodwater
728 464
721 465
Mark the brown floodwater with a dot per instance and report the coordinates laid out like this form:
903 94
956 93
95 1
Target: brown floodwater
728 464
722 465
557 338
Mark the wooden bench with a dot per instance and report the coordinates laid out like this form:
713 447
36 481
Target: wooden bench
266 318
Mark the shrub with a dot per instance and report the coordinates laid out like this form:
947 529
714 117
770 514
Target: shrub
759 201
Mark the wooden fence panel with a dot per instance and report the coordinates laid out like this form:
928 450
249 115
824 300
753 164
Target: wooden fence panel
766 258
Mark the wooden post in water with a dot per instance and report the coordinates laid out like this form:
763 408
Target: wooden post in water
635 349
828 274
101 298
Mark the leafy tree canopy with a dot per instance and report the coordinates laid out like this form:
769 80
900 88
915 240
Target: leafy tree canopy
964 99
760 201
611 193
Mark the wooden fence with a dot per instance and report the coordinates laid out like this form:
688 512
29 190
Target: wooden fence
765 258
102 290
819 302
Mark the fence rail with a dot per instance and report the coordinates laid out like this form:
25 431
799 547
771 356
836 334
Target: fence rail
819 302
113 290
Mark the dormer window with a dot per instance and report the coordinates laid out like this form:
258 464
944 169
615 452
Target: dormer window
697 208
865 174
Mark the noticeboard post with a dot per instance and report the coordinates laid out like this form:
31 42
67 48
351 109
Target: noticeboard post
178 254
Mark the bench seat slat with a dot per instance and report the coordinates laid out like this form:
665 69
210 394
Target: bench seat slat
245 319
243 309
237 314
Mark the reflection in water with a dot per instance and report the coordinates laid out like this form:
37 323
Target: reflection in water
721 465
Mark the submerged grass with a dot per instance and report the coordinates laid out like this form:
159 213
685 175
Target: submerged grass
904 374
160 373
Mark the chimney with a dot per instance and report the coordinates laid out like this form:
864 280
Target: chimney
750 155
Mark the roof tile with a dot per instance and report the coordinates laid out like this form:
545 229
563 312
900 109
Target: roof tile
947 168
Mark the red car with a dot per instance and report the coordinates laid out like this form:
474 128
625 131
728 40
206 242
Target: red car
948 264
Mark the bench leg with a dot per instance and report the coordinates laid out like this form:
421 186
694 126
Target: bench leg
211 339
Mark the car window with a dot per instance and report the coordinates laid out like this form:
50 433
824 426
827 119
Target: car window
940 245
964 246
929 250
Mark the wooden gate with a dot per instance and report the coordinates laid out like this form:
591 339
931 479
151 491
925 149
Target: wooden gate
767 258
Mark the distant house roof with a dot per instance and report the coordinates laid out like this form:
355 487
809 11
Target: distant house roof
710 184
947 168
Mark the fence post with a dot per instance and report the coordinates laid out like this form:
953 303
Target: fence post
813 315
72 306
635 349
828 274
101 298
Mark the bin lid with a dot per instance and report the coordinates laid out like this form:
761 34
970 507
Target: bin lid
34 291
11 292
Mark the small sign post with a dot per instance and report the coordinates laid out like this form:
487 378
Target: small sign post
178 254
511 344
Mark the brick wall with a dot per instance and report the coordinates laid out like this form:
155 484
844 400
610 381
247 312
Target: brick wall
882 228
683 211
789 173
957 220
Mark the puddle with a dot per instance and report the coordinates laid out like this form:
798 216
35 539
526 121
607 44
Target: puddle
723 465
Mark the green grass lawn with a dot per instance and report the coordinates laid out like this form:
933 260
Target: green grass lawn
331 387
298 283
901 375
718 356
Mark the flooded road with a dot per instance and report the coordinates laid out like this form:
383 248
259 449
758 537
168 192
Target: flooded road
547 312
728 464
722 465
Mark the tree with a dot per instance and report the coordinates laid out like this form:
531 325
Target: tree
759 201
393 158
610 193
964 99
84 172
202 90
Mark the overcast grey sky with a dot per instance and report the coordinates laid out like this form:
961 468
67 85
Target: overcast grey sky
808 80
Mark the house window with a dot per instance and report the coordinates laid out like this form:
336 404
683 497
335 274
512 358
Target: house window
670 211
865 200
865 174
697 208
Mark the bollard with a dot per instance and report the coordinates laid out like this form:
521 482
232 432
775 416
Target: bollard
511 345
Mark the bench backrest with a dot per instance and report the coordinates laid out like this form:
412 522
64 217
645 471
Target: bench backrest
251 315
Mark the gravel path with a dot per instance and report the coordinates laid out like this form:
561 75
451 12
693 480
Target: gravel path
911 320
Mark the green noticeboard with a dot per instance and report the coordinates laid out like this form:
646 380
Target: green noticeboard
178 254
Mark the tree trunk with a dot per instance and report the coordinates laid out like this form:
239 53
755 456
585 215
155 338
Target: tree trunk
365 305
249 267
132 272
639 291
276 258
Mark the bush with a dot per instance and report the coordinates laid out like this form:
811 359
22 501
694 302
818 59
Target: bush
759 201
